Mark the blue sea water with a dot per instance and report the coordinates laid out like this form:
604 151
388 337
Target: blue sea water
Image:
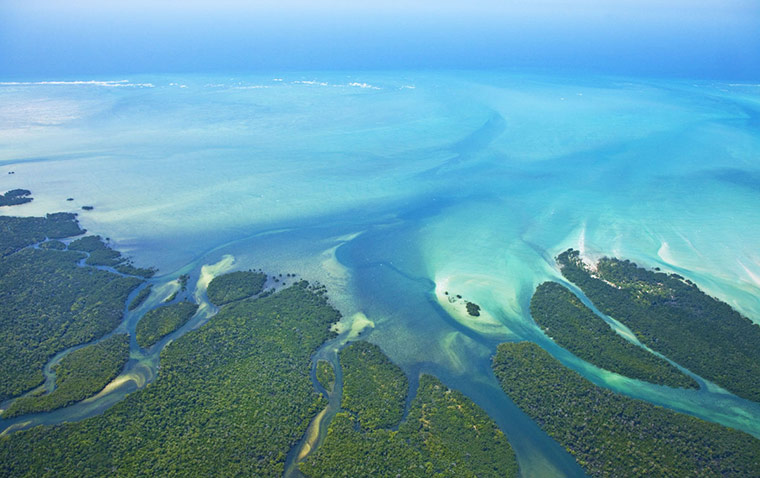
394 188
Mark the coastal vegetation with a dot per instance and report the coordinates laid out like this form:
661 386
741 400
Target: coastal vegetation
325 375
374 388
140 297
50 303
182 288
671 315
80 374
99 254
15 197
161 321
578 329
87 244
53 244
473 309
444 435
349 451
230 399
235 286
129 269
19 232
613 435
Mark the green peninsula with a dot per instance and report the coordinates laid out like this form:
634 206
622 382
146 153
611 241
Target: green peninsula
19 232
374 388
578 329
613 435
325 375
672 316
79 375
142 294
230 399
162 321
99 254
444 435
235 286
14 197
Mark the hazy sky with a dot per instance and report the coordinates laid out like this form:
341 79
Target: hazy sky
54 38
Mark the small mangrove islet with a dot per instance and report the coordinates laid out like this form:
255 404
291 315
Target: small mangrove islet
183 282
15 197
473 309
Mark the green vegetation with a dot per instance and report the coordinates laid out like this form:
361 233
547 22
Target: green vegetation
183 287
235 286
15 197
102 255
88 244
53 244
445 435
161 321
578 329
49 302
129 269
230 399
672 316
348 451
473 309
613 435
326 375
19 232
374 388
80 374
140 297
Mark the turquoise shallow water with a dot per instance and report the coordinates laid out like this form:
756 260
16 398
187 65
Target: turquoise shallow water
393 188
